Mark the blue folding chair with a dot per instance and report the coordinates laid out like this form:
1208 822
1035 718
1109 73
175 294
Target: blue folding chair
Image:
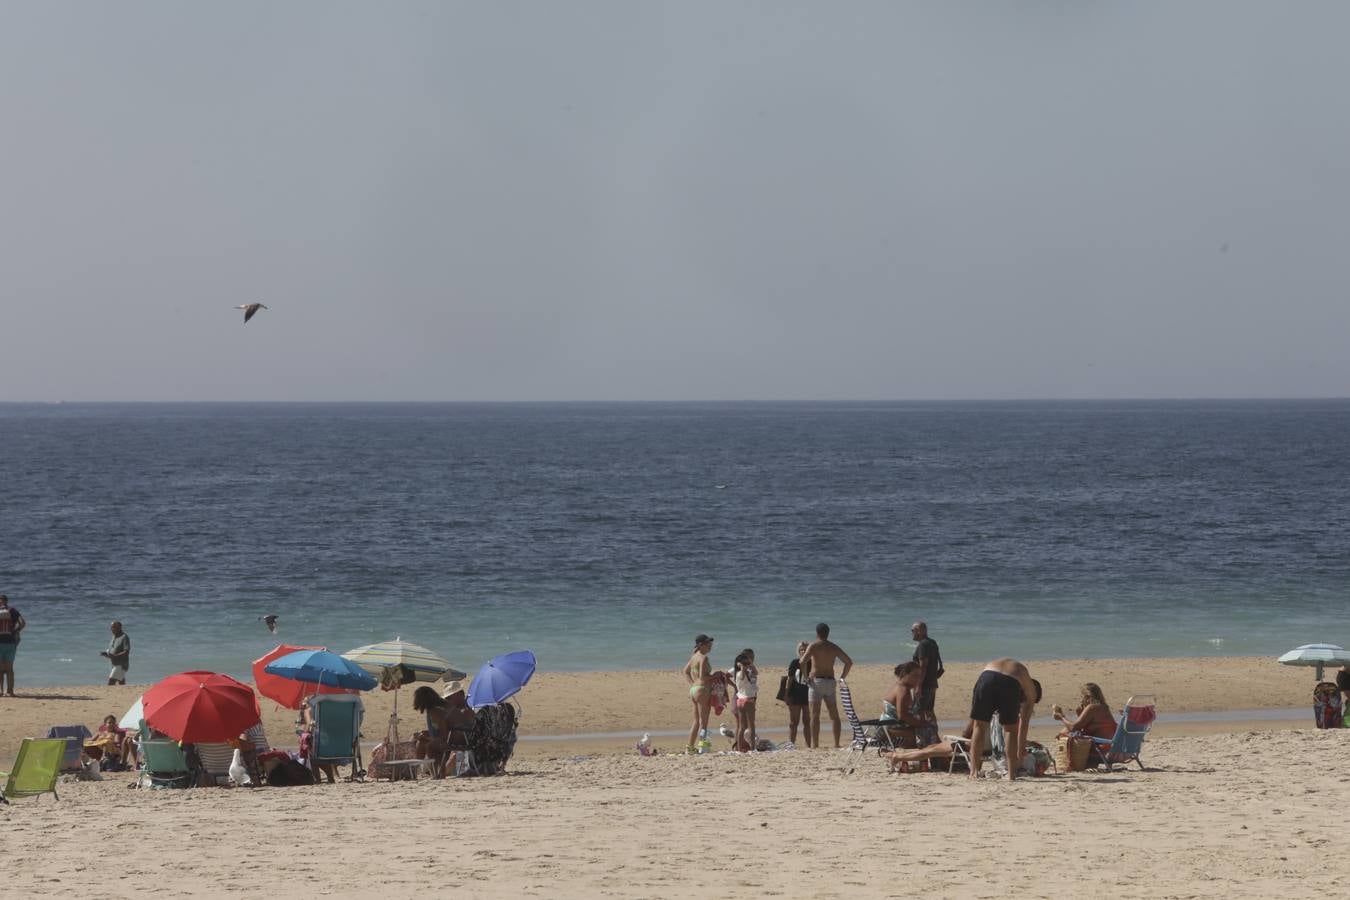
336 732
1136 721
75 736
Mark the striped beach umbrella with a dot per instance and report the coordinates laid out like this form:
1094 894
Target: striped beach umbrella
1318 656
425 665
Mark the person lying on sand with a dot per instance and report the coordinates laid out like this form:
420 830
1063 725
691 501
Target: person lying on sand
904 760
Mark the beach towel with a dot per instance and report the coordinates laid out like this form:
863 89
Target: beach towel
719 695
1327 709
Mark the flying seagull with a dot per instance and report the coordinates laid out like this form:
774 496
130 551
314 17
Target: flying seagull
271 621
249 309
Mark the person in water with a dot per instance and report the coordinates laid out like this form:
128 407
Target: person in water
1007 688
698 673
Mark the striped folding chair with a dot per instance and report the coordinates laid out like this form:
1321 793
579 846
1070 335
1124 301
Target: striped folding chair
996 748
866 733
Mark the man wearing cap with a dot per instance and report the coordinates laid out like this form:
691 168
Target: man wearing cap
11 623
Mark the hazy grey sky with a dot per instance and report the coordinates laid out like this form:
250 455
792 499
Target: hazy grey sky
631 200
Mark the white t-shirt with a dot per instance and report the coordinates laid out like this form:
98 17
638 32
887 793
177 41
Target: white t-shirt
745 685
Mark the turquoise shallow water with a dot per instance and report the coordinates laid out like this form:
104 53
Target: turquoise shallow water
606 535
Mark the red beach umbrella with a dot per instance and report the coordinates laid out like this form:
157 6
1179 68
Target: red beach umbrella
195 707
287 691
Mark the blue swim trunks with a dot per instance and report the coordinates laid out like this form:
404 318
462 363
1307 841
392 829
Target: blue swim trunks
7 652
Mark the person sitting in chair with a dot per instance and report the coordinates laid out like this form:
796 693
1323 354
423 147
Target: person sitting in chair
449 724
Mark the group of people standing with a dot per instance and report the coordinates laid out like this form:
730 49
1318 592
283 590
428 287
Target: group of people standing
1004 688
810 683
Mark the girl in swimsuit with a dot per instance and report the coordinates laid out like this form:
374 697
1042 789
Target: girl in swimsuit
698 672
747 693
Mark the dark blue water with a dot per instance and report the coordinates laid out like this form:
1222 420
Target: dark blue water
606 535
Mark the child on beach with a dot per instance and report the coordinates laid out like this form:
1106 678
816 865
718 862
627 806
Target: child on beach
747 692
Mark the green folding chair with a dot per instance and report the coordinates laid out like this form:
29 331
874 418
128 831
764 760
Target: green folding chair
36 769
165 763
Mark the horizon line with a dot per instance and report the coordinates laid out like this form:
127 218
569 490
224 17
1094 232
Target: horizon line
727 402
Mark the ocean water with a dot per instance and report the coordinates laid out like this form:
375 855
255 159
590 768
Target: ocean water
605 536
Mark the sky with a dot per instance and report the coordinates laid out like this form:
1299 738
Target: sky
674 201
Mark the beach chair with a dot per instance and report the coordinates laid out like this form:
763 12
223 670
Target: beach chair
995 748
1327 709
165 763
493 738
336 732
74 736
866 734
214 761
35 769
1136 721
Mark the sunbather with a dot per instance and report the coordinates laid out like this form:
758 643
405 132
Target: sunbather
111 746
904 760
1093 718
901 703
449 724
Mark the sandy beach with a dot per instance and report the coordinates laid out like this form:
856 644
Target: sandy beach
1227 807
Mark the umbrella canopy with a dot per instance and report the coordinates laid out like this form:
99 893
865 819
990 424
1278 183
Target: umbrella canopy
287 691
131 719
322 668
501 678
425 665
194 707
1317 655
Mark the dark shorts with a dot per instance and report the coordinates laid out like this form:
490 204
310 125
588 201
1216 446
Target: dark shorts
1343 681
996 693
926 699
797 694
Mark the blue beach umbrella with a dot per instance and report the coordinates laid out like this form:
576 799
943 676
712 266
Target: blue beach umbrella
501 678
321 667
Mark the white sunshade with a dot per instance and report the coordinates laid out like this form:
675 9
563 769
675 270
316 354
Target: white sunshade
131 720
1317 655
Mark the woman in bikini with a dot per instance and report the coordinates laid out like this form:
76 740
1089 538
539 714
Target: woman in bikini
698 672
747 693
1093 718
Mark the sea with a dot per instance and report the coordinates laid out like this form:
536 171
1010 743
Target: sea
604 536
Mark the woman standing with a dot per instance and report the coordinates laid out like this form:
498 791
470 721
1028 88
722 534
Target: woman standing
747 693
698 672
796 695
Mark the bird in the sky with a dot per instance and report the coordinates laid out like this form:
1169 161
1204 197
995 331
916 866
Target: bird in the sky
249 309
270 621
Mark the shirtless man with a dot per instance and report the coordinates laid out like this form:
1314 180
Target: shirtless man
1007 688
818 660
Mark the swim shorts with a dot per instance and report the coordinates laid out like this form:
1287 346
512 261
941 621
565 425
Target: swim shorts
996 693
118 673
820 689
7 652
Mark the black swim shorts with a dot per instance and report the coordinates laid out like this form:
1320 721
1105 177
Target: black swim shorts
996 693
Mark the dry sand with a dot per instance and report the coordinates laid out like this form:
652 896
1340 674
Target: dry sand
1223 810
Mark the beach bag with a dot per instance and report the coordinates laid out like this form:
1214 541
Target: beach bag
1037 761
1071 755
402 750
782 694
288 773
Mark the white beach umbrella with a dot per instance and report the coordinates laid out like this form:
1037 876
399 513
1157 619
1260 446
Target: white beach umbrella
1318 655
131 720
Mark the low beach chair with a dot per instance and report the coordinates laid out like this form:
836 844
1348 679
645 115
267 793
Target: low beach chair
1136 721
336 732
35 769
866 734
995 748
493 738
215 760
74 736
165 763
1327 709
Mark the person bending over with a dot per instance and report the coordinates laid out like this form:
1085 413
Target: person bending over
1007 688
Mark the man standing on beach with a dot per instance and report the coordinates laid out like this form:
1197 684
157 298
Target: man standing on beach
11 623
930 663
818 660
1007 688
119 654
